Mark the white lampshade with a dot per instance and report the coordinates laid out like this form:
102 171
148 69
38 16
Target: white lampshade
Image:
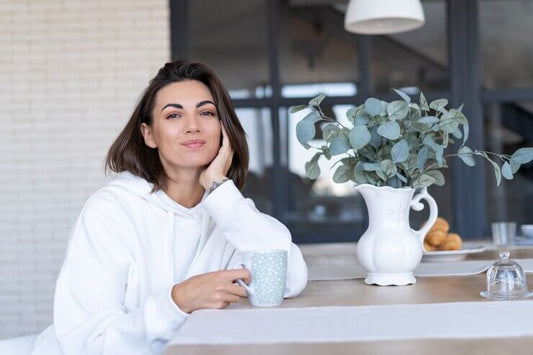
383 16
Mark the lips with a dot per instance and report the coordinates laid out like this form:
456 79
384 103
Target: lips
194 143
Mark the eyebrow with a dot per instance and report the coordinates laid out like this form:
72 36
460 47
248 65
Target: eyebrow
180 106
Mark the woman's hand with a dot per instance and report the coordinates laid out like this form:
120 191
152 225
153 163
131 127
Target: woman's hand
212 290
219 167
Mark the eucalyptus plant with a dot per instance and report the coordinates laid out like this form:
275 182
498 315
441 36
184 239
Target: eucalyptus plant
397 144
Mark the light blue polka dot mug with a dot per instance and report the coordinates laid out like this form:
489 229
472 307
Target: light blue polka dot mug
268 269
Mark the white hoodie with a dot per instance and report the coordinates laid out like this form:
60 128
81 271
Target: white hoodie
128 248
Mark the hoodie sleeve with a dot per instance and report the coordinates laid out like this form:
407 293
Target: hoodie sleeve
89 312
248 229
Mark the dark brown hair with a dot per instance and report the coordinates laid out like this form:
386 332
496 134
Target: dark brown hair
130 153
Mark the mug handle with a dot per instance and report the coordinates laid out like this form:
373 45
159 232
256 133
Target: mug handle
419 206
242 283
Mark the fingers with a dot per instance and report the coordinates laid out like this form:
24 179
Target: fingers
237 290
226 145
236 274
225 139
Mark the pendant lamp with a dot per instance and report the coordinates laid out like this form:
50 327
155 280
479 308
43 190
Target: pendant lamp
383 16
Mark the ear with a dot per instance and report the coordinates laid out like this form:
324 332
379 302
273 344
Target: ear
149 140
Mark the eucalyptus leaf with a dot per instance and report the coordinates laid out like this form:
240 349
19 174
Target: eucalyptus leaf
312 170
438 105
397 110
361 118
373 106
389 130
375 138
437 176
371 166
423 102
466 131
359 174
381 175
422 157
523 155
514 166
428 141
457 116
342 174
372 178
445 139
298 108
422 181
428 119
351 114
383 111
467 156
305 129
457 133
439 153
330 130
359 137
497 170
394 182
506 171
339 145
400 151
401 177
316 101
388 167
403 95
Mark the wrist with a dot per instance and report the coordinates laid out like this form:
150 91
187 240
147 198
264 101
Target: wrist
178 298
215 183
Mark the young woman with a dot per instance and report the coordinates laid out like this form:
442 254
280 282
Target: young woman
163 238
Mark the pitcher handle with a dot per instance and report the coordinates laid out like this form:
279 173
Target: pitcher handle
419 206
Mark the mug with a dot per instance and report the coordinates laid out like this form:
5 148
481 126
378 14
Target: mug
268 270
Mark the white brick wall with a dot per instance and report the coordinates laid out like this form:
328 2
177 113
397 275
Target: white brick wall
70 74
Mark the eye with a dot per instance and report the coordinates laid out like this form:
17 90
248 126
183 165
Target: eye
173 115
207 113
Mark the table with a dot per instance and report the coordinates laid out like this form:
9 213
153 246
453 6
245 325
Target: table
356 293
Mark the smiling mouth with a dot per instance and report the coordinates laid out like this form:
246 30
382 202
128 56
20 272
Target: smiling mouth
194 143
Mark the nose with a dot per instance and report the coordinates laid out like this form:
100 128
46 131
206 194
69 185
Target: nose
192 125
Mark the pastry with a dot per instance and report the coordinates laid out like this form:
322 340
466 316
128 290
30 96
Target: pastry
441 224
429 247
438 237
452 242
435 237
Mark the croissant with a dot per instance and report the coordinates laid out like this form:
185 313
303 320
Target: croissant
438 237
452 242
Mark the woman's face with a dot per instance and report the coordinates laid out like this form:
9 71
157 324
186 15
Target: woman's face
185 128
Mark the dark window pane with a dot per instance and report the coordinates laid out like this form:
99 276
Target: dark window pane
317 50
505 41
256 124
509 126
230 36
416 59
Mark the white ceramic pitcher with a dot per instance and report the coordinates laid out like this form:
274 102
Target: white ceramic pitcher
390 250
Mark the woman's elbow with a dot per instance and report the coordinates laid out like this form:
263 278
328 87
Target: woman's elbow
296 273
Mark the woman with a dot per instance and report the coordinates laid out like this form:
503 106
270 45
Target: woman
162 238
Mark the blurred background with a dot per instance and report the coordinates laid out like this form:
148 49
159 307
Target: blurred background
72 70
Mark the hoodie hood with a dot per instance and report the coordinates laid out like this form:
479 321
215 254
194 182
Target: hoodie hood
142 188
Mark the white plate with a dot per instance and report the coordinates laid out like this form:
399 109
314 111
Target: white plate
519 240
450 255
